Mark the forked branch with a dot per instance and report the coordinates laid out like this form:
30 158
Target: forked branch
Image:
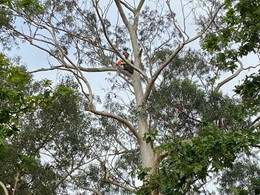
175 53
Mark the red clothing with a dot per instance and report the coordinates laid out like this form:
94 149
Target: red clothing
125 66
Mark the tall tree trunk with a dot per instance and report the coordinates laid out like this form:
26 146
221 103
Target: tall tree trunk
148 156
147 153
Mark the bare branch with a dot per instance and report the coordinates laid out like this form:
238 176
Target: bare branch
119 119
70 172
159 70
248 68
174 54
101 69
95 4
118 184
203 31
256 122
128 6
123 16
173 20
4 188
107 180
137 12
230 77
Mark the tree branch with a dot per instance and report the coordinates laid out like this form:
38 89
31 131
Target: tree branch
4 188
256 122
119 119
84 187
129 7
70 172
137 12
173 20
174 54
230 78
107 180
159 70
101 69
122 14
16 179
203 31
118 184
95 4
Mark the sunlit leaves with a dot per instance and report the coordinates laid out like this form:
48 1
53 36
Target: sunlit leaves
12 89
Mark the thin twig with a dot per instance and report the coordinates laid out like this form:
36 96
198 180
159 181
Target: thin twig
175 53
16 179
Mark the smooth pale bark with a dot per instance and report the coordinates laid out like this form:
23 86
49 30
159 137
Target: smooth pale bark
147 153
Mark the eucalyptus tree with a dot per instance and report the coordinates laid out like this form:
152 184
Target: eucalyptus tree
163 108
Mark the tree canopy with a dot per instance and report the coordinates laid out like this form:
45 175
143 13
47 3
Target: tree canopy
168 128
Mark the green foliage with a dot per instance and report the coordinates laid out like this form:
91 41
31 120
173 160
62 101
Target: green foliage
5 2
188 162
203 131
5 19
242 177
150 136
55 123
30 6
143 172
26 162
250 93
182 106
15 99
238 34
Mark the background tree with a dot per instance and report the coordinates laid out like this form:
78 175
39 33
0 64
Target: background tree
51 133
177 140
16 101
243 178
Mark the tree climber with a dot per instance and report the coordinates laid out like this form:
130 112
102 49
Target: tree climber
122 64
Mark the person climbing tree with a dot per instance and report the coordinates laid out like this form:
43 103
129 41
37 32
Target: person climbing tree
122 64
